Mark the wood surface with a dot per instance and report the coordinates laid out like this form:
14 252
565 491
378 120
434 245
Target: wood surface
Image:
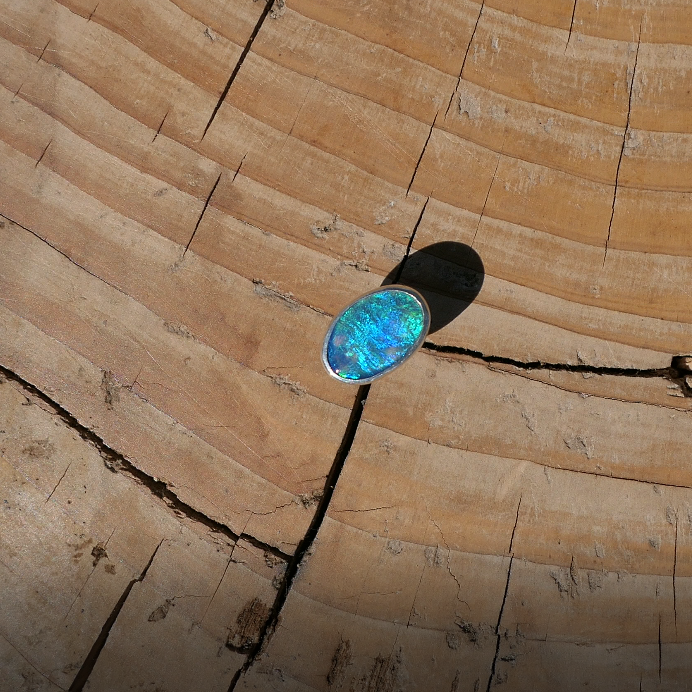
190 190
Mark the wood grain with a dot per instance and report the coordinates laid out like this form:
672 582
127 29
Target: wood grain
190 190
76 536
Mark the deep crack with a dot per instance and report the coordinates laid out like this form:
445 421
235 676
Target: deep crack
43 153
675 574
466 54
674 373
571 23
420 158
265 12
624 143
96 649
305 545
118 463
514 530
204 208
497 629
487 196
158 131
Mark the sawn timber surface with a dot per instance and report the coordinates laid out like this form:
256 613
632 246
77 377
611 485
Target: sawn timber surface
189 191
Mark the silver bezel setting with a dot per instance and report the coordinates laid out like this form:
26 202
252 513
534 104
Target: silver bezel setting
419 342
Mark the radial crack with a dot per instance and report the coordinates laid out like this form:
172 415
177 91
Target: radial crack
497 629
43 153
463 62
64 473
415 597
240 165
158 131
300 109
420 158
268 6
42 52
204 209
218 586
675 573
571 23
660 651
304 546
514 530
624 143
93 655
487 195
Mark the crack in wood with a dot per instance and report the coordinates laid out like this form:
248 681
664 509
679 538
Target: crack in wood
413 610
670 373
504 598
158 131
265 12
118 463
204 209
487 195
514 530
571 24
43 153
92 657
38 670
660 651
449 567
300 110
218 585
624 143
420 158
64 254
497 629
463 62
127 295
240 165
675 573
60 480
42 52
574 390
369 509
486 146
306 543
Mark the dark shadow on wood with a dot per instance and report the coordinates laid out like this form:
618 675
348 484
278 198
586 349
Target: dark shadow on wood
449 275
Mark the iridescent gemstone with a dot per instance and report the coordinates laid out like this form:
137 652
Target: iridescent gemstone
375 334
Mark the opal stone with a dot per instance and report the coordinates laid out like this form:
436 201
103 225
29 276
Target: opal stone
375 334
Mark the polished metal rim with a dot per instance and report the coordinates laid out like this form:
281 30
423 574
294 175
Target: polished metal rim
419 342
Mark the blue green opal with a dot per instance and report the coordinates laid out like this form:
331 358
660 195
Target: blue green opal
375 334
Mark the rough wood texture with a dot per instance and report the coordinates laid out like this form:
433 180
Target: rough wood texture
189 190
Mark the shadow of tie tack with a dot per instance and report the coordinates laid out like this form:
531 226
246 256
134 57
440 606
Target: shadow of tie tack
449 275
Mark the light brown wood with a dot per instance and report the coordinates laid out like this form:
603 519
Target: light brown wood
77 536
189 191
